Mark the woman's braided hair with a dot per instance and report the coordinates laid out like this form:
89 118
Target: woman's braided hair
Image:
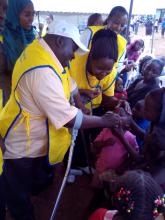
135 196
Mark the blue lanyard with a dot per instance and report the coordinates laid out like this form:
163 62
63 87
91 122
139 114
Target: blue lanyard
98 85
93 87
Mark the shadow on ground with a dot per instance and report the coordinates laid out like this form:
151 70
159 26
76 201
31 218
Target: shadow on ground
75 201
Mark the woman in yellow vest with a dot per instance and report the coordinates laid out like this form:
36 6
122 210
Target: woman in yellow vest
35 121
17 34
94 72
116 21
95 76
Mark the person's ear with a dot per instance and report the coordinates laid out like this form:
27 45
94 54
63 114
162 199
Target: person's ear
60 42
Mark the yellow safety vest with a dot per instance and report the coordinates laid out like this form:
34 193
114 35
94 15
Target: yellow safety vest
84 80
35 56
120 40
79 74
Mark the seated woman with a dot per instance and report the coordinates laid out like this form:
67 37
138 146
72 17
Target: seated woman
146 83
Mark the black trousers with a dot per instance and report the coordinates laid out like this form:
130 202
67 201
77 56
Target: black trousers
19 177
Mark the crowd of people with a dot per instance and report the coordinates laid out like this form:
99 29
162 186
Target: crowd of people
54 83
151 25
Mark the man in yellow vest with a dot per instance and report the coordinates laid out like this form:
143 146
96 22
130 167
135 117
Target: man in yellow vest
3 9
35 121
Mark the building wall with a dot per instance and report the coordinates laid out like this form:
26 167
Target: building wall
160 13
78 19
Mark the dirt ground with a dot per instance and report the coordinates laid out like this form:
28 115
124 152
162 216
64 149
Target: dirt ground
75 201
158 42
159 45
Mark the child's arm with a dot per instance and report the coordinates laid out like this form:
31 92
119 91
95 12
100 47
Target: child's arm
79 104
101 144
75 95
137 130
134 154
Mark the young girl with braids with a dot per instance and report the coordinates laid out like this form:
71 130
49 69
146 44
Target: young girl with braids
136 196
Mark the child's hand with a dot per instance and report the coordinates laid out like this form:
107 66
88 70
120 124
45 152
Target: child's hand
93 93
126 122
118 132
129 65
85 110
111 120
125 105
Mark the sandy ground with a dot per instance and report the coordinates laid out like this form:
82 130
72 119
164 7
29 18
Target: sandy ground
75 201
158 42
